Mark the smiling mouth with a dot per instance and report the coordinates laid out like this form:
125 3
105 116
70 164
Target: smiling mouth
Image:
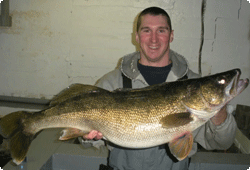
153 48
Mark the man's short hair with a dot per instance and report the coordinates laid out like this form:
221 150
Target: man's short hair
153 11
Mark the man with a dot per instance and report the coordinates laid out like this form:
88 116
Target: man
156 63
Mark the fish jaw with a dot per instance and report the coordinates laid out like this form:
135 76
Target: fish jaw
236 86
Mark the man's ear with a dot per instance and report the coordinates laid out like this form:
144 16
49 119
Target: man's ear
137 37
172 36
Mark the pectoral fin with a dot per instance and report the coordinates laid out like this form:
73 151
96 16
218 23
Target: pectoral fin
176 120
70 133
181 146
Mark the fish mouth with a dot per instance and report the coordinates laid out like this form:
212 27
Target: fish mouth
236 86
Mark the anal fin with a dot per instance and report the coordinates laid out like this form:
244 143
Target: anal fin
181 146
70 133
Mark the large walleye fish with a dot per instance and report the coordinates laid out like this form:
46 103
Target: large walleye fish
133 118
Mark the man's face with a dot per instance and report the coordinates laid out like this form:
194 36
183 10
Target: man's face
154 36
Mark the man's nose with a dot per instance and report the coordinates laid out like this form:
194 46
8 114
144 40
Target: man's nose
154 37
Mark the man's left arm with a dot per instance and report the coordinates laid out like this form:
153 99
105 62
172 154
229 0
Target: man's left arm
218 132
220 117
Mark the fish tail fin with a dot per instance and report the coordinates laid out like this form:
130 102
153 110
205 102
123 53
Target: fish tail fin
12 128
19 146
4 147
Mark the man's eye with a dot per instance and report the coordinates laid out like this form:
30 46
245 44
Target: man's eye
162 31
145 30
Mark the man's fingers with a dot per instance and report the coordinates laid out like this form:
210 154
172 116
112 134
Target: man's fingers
99 135
93 134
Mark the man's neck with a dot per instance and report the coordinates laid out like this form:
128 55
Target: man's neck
162 62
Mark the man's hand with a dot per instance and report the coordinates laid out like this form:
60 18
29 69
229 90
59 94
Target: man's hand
220 117
93 134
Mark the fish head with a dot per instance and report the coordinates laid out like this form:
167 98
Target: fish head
215 91
220 88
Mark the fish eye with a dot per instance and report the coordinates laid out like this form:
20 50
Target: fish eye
222 81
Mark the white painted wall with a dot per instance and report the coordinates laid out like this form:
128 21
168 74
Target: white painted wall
55 43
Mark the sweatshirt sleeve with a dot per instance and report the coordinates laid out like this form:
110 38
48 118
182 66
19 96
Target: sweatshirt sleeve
218 137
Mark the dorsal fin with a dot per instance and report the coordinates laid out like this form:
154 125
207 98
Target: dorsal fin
74 90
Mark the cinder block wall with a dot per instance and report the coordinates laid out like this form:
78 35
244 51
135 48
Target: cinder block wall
55 43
